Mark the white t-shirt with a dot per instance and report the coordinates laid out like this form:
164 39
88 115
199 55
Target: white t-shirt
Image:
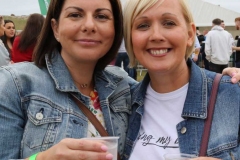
158 134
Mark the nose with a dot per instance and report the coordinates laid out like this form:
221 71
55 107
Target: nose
157 34
88 24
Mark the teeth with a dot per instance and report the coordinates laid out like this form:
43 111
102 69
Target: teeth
158 52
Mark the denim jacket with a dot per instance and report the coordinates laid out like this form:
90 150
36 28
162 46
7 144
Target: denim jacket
37 110
4 55
224 142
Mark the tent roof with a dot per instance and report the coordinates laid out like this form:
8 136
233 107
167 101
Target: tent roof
204 12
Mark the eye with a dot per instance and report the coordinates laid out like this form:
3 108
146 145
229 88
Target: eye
75 15
101 16
143 26
169 23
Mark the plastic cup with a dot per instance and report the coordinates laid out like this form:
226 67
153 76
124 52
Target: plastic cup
110 142
178 156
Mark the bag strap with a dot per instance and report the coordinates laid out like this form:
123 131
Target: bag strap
92 118
208 121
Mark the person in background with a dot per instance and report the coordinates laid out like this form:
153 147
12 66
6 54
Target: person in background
4 55
223 24
25 42
9 35
218 47
237 47
196 53
122 59
169 106
39 116
205 32
202 50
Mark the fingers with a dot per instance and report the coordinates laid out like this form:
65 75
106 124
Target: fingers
233 72
85 145
89 155
76 149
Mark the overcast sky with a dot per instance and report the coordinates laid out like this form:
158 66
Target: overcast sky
26 7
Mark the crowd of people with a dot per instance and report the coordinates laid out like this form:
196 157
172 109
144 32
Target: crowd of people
218 46
68 58
19 47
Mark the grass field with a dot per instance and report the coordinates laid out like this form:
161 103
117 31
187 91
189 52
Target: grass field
19 21
140 77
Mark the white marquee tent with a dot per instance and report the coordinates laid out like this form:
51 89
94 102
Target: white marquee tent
204 12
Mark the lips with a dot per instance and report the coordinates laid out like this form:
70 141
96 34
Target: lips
88 42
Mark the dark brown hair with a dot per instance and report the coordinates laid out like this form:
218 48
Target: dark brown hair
47 42
217 21
30 33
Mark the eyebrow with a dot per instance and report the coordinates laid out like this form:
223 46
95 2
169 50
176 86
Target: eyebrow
167 14
81 10
163 15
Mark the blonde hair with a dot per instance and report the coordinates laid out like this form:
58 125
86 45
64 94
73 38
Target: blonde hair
135 7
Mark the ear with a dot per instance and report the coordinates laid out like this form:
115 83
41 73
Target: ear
191 34
54 25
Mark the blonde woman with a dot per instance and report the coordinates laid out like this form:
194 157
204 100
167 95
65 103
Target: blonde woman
169 106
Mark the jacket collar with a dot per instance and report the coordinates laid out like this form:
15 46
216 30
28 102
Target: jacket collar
197 95
196 99
63 79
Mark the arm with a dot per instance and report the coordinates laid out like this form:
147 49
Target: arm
11 117
236 48
4 56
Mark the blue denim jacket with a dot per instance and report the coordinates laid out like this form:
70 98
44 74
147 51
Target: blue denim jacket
37 111
224 138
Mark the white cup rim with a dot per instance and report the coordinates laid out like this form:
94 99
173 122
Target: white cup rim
102 138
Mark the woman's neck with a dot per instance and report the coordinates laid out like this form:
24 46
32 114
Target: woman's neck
82 75
9 43
170 81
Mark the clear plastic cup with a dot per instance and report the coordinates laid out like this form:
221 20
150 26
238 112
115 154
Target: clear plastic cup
178 156
110 142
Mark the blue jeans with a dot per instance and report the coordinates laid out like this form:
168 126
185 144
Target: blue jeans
122 57
237 64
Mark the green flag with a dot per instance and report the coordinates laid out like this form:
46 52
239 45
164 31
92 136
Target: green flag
44 6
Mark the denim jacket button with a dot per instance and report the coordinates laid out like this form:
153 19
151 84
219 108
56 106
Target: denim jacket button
39 116
183 130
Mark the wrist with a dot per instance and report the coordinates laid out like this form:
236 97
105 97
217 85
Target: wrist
40 156
33 157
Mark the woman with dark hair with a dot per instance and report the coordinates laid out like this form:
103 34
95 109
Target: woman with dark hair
9 35
24 44
38 113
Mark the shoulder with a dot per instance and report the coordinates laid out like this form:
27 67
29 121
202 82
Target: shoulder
23 70
116 70
119 72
